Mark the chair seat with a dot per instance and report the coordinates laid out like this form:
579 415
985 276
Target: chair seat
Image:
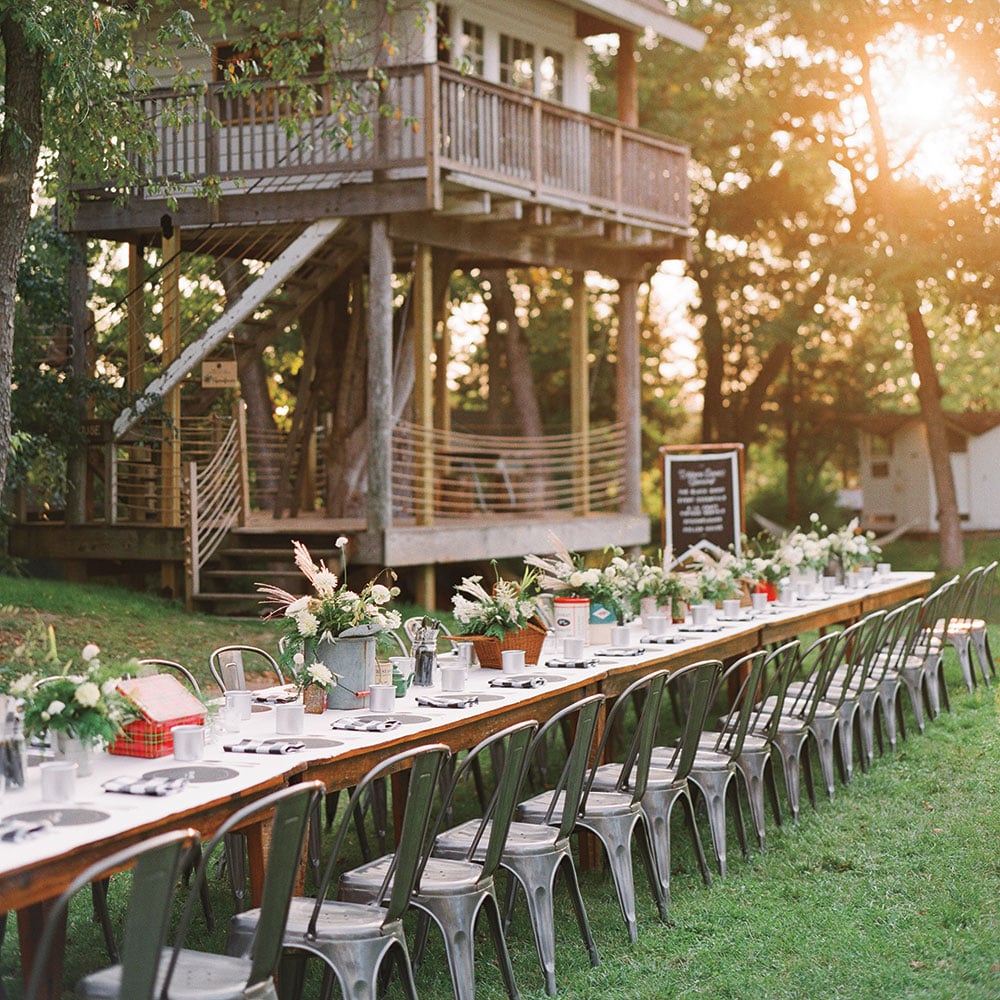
197 976
523 839
440 877
600 802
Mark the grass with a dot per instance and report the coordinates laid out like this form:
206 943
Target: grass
891 890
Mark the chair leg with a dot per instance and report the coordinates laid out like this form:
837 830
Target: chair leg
713 785
790 750
961 642
981 648
99 896
751 768
615 834
772 791
824 729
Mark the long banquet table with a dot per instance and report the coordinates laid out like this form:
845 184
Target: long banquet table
34 871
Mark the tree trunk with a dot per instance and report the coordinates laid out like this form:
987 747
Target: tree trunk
929 393
520 383
20 140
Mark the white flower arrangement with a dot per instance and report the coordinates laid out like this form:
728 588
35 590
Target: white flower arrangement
611 584
509 607
333 610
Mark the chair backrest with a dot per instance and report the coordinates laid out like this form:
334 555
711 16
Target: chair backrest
740 683
701 681
983 597
156 866
965 599
779 668
818 661
935 614
900 630
859 643
568 790
231 664
154 665
424 765
289 809
509 748
646 696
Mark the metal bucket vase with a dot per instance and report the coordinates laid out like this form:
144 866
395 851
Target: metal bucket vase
352 660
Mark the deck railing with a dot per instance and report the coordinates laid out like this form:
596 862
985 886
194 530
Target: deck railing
448 122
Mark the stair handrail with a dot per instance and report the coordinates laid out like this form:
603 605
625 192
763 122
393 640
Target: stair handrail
217 498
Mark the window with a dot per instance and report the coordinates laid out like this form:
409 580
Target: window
517 63
551 75
472 47
234 61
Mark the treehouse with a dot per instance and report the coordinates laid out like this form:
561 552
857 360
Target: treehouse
479 153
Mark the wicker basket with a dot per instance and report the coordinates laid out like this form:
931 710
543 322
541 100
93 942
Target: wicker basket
488 649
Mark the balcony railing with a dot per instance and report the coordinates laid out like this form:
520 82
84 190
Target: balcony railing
448 123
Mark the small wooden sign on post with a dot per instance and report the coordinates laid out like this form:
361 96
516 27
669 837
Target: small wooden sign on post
702 498
219 375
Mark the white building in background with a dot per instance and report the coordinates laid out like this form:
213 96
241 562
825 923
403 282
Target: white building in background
897 484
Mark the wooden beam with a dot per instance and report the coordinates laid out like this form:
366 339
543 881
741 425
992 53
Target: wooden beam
287 262
628 79
135 302
629 393
579 383
423 387
380 403
170 469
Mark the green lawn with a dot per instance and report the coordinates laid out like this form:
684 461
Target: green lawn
891 890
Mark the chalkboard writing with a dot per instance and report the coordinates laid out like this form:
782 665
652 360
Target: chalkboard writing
702 500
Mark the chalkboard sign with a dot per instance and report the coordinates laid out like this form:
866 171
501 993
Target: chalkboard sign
702 498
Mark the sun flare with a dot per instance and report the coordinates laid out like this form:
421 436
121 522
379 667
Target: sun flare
927 110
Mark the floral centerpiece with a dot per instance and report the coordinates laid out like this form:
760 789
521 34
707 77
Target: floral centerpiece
665 588
504 617
853 547
332 616
719 577
805 549
611 584
80 702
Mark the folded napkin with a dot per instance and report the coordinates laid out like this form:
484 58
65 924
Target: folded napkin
259 746
460 701
145 786
13 831
362 725
517 682
275 696
570 664
701 628
663 640
620 651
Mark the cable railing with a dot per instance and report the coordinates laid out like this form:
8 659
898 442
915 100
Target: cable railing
438 475
215 497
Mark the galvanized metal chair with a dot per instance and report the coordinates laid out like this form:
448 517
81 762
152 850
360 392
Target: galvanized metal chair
534 853
250 970
156 865
714 768
452 892
353 939
611 806
229 666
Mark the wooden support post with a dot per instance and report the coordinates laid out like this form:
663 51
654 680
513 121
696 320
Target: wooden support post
76 495
629 393
170 459
135 301
627 79
380 403
423 387
579 382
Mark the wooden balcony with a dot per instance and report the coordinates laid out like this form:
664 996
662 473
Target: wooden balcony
458 139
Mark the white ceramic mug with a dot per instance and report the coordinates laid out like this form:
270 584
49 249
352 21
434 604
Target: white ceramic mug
513 661
621 636
699 614
464 651
573 647
290 718
804 590
453 676
731 608
759 602
657 625
58 780
189 742
884 569
241 700
382 697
